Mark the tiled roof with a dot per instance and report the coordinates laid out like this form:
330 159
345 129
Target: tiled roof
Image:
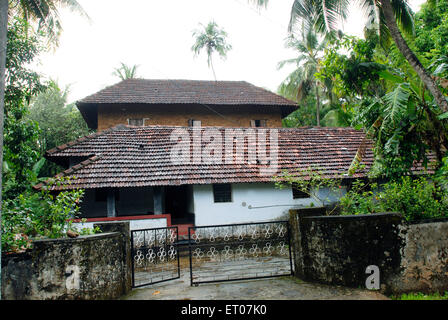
148 91
220 94
126 156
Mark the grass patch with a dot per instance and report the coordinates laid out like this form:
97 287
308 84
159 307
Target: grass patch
421 296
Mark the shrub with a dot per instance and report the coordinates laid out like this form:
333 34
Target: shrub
40 214
416 199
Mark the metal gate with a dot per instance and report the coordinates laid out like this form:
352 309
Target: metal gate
155 256
239 251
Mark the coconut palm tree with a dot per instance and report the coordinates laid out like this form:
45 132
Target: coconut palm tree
301 82
126 72
390 17
212 39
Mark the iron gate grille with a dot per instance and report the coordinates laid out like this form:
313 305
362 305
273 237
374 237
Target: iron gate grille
155 256
239 251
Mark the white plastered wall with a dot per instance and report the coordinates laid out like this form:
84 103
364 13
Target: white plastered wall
251 202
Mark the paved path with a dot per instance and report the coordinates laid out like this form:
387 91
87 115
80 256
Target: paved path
283 288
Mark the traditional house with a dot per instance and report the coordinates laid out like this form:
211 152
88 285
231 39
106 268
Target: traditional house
181 152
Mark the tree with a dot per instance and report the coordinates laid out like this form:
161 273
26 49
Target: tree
59 123
386 98
389 16
46 14
431 30
126 72
301 82
212 39
20 149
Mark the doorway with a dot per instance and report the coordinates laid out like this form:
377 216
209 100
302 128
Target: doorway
179 203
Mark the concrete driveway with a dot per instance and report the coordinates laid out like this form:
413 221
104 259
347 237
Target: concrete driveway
282 288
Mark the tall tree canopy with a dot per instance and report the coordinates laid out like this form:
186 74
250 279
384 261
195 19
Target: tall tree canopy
393 83
21 148
212 39
301 82
58 122
391 18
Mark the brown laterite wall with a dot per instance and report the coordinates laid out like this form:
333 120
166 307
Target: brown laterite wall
178 115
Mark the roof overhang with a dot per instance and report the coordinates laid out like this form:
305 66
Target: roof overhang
89 112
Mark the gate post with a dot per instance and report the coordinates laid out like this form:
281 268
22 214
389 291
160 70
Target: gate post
296 241
122 227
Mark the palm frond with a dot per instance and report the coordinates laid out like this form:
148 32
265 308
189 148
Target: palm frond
396 103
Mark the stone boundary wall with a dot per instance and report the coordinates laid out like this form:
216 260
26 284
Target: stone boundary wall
337 250
87 267
424 258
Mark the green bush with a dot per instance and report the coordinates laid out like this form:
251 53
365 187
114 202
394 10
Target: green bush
416 199
360 199
421 296
40 214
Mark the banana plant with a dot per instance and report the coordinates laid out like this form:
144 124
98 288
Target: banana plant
405 114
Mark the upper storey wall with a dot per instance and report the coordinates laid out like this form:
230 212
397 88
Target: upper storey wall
179 115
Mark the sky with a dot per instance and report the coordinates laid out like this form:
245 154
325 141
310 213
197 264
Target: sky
157 36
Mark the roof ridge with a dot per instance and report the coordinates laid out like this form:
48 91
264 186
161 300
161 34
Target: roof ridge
255 95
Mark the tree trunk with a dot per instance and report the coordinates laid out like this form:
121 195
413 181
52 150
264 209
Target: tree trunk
3 35
317 106
213 69
410 56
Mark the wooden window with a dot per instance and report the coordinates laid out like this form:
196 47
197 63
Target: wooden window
194 123
258 123
136 122
298 193
222 192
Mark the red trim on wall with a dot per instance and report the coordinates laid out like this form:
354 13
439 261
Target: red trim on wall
167 216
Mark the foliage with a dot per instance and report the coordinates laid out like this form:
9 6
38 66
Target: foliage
421 296
126 72
301 83
312 182
416 199
375 81
45 14
381 94
21 149
360 199
39 214
88 231
431 28
212 39
59 123
305 115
